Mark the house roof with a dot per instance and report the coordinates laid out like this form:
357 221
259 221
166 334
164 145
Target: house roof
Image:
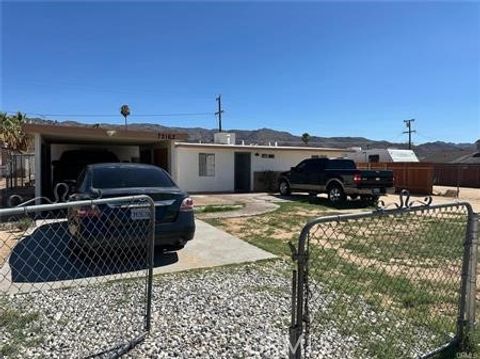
85 133
260 147
471 158
402 155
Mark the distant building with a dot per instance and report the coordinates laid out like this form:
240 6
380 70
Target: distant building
382 155
471 158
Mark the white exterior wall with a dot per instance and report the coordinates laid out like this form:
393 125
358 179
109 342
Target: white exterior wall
186 168
283 159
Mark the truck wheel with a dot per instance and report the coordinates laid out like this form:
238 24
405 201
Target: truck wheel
336 194
284 188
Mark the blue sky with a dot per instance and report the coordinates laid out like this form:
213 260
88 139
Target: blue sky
327 68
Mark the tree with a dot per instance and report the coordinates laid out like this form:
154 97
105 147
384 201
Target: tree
306 138
11 132
125 111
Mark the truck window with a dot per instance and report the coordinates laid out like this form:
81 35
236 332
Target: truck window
341 165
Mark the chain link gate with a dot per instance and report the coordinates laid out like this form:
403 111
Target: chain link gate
76 277
392 283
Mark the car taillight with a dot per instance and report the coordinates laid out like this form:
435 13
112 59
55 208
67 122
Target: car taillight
357 178
88 212
187 205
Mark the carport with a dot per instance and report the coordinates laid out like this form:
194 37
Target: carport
51 140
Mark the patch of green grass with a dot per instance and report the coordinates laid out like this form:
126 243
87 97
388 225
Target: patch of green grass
419 240
214 208
395 299
262 231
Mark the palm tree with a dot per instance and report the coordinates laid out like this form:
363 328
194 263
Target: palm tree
11 132
306 138
125 111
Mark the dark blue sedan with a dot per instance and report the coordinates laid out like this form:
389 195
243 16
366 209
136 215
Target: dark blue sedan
113 224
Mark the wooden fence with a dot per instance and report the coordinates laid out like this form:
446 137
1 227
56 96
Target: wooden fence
463 175
416 177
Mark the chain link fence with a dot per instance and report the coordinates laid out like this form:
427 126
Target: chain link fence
393 283
75 278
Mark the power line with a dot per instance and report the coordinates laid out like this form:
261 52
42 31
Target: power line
408 123
116 115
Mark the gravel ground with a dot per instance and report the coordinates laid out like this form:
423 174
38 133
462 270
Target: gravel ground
231 312
236 312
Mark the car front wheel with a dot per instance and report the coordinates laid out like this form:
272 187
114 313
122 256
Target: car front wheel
284 188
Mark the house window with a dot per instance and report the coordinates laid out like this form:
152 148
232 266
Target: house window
267 155
206 164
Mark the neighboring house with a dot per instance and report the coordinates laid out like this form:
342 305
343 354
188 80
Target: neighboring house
382 155
223 166
471 158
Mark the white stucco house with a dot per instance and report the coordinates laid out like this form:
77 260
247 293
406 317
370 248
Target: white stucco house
222 166
225 166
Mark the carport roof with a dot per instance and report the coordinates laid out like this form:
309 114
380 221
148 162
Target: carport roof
86 133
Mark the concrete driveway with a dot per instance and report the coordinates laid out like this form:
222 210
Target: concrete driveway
213 247
43 258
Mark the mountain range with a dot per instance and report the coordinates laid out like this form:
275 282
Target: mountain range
437 151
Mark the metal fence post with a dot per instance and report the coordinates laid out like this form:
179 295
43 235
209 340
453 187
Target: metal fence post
296 329
472 275
293 340
466 312
151 253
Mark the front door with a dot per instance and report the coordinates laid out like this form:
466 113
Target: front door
242 171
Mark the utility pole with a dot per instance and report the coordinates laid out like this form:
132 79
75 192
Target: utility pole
219 112
408 123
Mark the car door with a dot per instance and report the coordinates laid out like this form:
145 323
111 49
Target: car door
297 176
315 171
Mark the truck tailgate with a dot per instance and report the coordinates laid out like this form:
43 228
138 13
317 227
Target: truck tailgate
374 178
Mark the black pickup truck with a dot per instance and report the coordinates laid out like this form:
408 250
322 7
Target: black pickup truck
338 178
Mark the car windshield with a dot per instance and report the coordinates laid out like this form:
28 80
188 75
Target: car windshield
341 165
117 177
